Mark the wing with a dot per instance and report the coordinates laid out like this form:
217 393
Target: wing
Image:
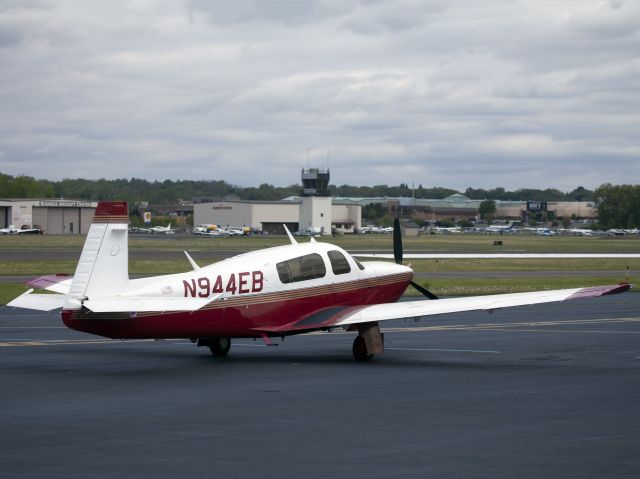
345 316
498 255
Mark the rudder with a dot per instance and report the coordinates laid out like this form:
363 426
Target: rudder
103 268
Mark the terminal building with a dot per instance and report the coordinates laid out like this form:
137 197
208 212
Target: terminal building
313 211
52 216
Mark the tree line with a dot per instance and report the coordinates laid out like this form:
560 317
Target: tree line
618 205
169 191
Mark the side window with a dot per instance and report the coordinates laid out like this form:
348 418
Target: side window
339 263
303 268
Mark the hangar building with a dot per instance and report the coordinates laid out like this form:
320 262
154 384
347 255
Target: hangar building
269 216
314 210
52 216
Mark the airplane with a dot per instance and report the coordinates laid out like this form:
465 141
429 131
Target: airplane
576 232
445 230
500 228
25 230
271 293
10 230
162 229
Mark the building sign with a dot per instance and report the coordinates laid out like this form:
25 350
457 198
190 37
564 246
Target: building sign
536 206
65 204
147 217
221 207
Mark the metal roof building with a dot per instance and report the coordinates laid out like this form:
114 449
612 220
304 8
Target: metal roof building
52 216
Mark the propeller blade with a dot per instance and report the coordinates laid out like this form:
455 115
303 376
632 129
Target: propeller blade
424 291
397 241
397 255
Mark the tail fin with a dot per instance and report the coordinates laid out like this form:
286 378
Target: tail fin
103 269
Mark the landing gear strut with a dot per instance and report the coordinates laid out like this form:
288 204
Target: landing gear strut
360 352
368 342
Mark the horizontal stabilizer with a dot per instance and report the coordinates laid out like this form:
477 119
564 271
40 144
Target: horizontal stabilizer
139 304
58 283
41 302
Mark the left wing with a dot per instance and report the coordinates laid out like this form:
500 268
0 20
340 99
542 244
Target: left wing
345 316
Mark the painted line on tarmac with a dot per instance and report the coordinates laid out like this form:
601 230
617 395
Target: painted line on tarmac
577 331
446 350
506 326
71 342
33 327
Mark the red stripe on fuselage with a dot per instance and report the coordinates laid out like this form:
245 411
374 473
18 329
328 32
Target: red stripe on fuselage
239 316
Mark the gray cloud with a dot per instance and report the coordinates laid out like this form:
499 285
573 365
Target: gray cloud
456 94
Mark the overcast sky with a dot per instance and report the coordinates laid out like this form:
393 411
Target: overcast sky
440 93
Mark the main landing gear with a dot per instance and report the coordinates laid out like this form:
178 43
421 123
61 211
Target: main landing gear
219 346
368 342
360 352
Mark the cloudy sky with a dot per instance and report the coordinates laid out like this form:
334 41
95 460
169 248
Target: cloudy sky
439 93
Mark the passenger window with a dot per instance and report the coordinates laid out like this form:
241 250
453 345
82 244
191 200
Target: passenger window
304 268
339 263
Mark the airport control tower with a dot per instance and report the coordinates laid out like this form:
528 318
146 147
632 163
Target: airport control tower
315 209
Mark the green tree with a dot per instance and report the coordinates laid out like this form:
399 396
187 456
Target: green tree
487 209
618 205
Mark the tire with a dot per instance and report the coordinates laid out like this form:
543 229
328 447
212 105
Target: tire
360 353
220 347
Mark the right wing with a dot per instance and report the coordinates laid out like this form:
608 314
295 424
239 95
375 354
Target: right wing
349 315
498 255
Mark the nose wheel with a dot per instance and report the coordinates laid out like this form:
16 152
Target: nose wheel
360 352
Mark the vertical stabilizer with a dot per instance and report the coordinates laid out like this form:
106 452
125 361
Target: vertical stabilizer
103 269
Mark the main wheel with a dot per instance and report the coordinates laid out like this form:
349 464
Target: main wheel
360 352
220 346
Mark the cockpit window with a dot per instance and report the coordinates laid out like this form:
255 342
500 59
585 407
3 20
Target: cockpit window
303 268
339 263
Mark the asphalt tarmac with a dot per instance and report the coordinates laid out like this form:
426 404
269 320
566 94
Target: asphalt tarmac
547 391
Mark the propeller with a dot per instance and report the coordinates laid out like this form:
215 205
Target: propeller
397 256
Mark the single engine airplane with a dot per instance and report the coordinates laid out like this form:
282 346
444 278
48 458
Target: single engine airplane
162 229
24 230
501 228
274 292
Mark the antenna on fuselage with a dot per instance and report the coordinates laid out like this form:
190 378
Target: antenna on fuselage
291 238
194 265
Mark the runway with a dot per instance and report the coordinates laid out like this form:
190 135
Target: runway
544 391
